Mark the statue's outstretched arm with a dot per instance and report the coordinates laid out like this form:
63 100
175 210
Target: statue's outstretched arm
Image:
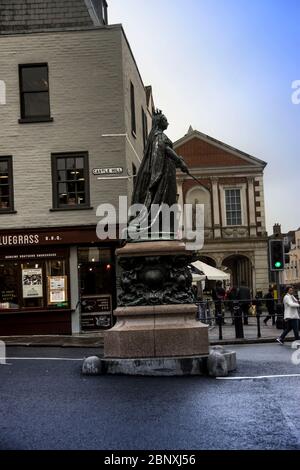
179 161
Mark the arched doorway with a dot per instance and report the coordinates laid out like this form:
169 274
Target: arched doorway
208 260
240 268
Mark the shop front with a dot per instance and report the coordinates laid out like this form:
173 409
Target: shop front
96 279
56 282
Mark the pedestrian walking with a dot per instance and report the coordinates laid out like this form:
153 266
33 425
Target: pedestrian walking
244 296
199 303
270 304
291 315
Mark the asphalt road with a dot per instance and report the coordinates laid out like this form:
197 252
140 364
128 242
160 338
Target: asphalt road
48 404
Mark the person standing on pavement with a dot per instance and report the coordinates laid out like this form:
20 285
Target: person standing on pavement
270 304
218 296
230 297
244 296
291 315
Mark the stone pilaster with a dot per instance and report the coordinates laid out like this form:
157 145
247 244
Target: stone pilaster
216 208
251 205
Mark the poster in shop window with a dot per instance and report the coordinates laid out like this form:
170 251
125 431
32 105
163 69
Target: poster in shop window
32 282
57 289
57 296
57 282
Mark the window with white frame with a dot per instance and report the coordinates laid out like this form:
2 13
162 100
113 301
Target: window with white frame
233 206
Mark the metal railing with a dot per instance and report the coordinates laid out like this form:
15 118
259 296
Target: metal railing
221 313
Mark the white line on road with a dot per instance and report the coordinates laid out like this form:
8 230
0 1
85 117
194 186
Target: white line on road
42 359
258 377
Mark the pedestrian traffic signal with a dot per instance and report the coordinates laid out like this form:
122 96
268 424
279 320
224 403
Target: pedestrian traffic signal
277 255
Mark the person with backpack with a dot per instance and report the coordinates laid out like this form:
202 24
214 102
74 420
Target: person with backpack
291 315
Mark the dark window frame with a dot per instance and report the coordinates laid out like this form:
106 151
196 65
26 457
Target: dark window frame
144 127
10 208
32 119
134 173
55 202
132 108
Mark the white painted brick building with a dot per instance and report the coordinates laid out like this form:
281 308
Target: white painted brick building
75 102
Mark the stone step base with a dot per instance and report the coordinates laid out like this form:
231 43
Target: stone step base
164 366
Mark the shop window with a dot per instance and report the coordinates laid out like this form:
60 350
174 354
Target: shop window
34 93
9 294
95 271
33 284
6 185
70 177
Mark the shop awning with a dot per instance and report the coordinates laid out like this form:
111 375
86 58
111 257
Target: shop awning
205 271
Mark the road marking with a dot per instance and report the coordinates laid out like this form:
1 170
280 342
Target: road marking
43 359
258 377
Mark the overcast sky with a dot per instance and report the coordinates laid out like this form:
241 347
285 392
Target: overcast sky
226 67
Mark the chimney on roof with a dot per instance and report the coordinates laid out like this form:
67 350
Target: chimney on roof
98 11
277 229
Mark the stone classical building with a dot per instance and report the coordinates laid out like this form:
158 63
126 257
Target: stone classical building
75 113
232 192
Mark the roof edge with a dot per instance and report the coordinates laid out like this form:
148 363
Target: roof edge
220 144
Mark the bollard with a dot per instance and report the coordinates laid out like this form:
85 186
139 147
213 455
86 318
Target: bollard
258 315
220 326
258 324
238 320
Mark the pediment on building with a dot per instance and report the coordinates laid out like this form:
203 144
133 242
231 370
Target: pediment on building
200 150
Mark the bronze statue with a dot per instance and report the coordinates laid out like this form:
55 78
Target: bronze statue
156 178
156 279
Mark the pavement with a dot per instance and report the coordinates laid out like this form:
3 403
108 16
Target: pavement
94 340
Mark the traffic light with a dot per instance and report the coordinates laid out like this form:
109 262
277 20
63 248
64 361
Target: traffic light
277 255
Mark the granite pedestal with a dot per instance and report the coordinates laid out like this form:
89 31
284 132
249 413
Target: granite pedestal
157 317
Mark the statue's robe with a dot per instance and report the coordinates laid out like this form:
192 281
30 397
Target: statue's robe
156 179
